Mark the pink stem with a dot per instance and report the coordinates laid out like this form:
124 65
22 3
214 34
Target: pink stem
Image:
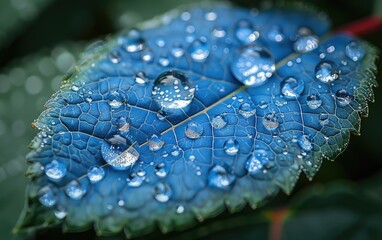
363 26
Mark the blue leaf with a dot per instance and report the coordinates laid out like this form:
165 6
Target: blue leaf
215 107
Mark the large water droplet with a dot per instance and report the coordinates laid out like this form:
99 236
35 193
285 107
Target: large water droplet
270 121
253 65
96 174
219 121
355 51
245 32
305 143
55 170
258 164
291 87
247 110
74 190
122 124
117 158
306 43
162 192
327 71
173 90
155 143
231 146
276 34
324 118
343 97
220 178
194 130
199 50
47 196
160 170
314 101
134 41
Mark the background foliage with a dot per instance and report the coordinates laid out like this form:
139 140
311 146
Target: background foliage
41 39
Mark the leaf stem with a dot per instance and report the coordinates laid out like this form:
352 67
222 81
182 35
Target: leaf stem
277 218
363 26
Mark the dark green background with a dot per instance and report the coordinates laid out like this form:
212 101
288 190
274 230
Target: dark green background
41 39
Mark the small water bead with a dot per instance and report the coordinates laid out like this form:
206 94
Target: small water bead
343 97
162 192
155 143
263 105
199 50
253 65
60 213
326 71
177 50
276 34
75 191
134 41
313 101
231 147
135 180
258 163
160 170
117 158
47 196
180 209
115 57
355 51
270 121
194 130
291 87
161 115
160 42
245 32
122 124
210 16
147 55
173 90
305 143
247 110
96 174
219 121
323 118
163 61
140 78
55 170
121 203
185 16
305 44
115 100
219 32
219 177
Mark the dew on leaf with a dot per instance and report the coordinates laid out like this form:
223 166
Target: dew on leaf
323 118
47 196
177 50
160 170
326 71
343 97
122 124
247 110
355 51
270 121
258 163
245 32
313 101
140 78
199 50
219 32
117 158
219 177
115 100
194 130
135 180
292 87
275 34
147 55
96 174
219 121
133 42
231 146
55 170
60 213
155 143
74 190
305 41
180 209
162 192
305 143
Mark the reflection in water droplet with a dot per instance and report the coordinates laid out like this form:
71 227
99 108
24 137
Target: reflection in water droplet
305 44
140 78
161 115
155 143
117 158
343 97
47 196
173 90
194 130
122 124
305 143
210 16
247 110
75 191
219 177
258 164
148 55
55 170
263 105
292 87
270 121
219 32
160 170
180 209
135 180
314 101
199 50
355 51
327 71
115 57
245 32
162 192
177 50
253 65
324 118
96 174
219 121
276 34
133 42
115 100
60 213
231 147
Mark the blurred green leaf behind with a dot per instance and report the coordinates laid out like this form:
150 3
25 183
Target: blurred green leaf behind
41 39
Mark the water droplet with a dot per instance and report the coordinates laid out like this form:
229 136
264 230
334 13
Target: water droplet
140 78
155 143
210 16
247 110
175 151
161 115
305 143
253 65
96 174
115 100
180 209
355 51
117 158
160 42
55 170
314 101
305 44
258 163
74 190
185 16
231 146
219 32
164 61
219 121
173 90
160 170
199 50
343 97
122 124
270 121
177 50
327 72
245 32
47 196
291 87
324 118
220 178
60 213
263 105
133 42
276 34
147 55
162 192
135 180
115 57
194 130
